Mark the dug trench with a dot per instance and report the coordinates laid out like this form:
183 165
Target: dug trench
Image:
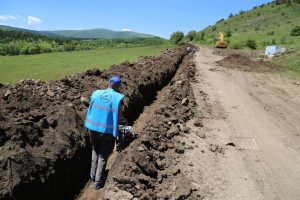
45 150
148 168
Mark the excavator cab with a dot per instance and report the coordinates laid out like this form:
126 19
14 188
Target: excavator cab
220 42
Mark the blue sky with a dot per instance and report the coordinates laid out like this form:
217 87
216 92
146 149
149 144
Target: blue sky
157 17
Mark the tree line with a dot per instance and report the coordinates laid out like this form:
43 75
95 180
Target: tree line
26 43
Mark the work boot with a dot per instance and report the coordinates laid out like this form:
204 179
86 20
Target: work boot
98 185
93 178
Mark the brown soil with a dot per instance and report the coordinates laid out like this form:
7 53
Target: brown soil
237 61
148 168
251 54
43 145
249 145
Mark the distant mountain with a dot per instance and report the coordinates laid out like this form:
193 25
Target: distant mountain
9 28
85 34
98 33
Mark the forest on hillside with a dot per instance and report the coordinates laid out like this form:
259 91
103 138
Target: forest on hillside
26 43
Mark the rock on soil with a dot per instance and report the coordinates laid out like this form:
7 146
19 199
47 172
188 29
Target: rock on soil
44 147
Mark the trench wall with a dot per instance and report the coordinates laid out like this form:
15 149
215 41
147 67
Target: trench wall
44 148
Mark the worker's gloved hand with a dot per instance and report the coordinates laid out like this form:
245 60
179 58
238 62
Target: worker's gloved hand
126 136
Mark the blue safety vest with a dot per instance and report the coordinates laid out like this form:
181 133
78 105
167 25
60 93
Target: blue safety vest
102 115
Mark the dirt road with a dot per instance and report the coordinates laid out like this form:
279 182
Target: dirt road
251 148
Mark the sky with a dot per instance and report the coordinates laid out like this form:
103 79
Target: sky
156 17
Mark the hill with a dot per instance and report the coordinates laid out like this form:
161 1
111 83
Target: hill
10 28
276 23
266 24
98 33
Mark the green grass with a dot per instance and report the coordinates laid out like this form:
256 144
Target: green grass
290 60
53 66
258 24
264 24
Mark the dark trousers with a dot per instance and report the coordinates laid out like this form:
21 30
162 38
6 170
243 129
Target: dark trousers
103 145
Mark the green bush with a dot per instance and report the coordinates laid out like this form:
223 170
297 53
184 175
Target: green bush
200 36
191 35
295 31
34 49
271 33
251 44
2 51
176 37
214 28
239 45
228 33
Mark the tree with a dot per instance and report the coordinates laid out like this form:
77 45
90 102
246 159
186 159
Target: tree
231 15
192 35
200 36
176 37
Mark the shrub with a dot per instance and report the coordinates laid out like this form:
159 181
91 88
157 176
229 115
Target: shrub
2 51
214 28
228 33
192 35
256 28
271 33
273 41
251 44
295 31
239 45
181 42
200 36
177 37
34 49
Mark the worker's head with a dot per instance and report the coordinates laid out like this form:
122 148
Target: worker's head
114 83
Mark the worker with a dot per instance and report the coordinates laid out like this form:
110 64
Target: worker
102 118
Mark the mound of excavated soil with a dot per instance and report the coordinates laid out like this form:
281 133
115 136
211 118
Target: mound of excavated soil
252 54
148 169
44 151
236 61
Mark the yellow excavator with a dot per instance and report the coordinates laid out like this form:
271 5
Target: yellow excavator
220 41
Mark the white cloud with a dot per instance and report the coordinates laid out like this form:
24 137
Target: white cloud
5 18
126 29
33 21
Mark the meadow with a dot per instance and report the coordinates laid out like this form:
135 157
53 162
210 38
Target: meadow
53 66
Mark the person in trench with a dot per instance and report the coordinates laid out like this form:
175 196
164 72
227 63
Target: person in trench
102 119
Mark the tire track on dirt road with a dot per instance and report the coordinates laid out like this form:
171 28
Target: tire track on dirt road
258 114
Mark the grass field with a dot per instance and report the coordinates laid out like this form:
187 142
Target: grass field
53 66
